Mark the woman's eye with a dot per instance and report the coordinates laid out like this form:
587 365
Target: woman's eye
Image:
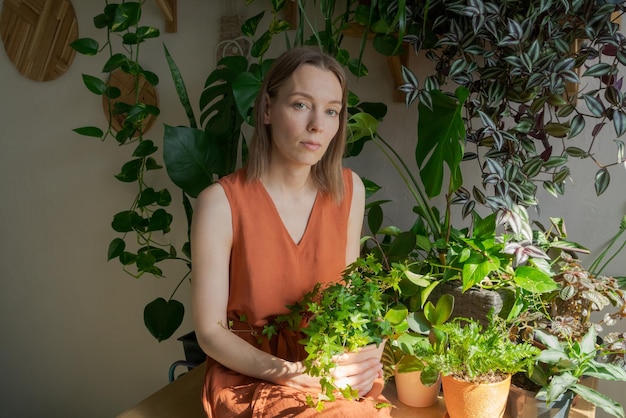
332 112
300 106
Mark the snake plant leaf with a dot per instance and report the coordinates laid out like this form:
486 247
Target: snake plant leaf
162 318
440 140
181 89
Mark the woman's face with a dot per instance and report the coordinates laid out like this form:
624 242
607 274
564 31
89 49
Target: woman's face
303 117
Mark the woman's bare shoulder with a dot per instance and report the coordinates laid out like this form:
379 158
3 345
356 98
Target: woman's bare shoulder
213 198
357 184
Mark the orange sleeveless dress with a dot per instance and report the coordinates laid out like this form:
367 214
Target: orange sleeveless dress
268 271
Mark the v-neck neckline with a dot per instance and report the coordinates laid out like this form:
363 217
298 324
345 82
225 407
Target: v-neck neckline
268 196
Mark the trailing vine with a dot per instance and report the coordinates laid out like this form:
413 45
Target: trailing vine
141 245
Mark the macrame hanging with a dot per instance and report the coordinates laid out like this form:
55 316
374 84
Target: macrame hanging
232 42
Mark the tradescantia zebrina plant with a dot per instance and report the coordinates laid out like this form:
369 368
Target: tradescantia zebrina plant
543 81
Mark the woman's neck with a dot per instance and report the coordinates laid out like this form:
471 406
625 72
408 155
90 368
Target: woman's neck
292 180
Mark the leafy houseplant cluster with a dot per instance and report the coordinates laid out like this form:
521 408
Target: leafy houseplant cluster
530 79
477 354
565 323
345 316
524 67
564 362
193 156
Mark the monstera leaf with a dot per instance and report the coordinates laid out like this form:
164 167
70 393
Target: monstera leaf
440 139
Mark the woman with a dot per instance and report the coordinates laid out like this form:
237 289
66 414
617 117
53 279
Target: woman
263 236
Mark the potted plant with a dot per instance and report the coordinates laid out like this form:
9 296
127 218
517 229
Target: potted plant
476 365
356 315
406 362
564 362
500 67
584 302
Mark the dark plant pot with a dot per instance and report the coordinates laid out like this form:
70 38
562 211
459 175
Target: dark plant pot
193 353
475 303
524 404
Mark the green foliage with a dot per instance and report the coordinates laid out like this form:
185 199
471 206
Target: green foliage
140 246
562 364
357 311
474 353
440 139
524 75
422 335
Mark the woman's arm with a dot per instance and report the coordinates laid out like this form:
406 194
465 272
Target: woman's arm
355 221
211 245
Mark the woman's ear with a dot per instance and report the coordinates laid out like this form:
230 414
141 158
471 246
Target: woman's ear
266 110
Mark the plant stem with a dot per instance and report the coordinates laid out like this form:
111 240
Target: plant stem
413 186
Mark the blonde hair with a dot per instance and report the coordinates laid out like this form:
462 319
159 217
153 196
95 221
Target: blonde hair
327 173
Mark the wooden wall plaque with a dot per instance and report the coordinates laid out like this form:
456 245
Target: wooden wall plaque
36 35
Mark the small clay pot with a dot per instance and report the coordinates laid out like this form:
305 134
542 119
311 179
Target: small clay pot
483 400
412 392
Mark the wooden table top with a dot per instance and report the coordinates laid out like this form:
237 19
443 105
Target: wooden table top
182 398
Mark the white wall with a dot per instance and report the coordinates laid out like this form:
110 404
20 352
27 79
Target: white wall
73 340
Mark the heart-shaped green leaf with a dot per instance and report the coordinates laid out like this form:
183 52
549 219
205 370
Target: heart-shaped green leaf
162 318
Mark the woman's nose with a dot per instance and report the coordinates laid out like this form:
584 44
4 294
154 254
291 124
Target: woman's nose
316 121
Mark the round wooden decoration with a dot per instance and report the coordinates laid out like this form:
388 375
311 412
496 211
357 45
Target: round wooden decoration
126 83
36 36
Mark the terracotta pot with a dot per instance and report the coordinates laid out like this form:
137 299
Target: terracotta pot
366 352
524 404
412 392
465 399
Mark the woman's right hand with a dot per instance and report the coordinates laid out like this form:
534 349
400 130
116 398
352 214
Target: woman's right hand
357 371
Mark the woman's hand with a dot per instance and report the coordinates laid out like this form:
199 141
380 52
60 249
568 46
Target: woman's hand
359 370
